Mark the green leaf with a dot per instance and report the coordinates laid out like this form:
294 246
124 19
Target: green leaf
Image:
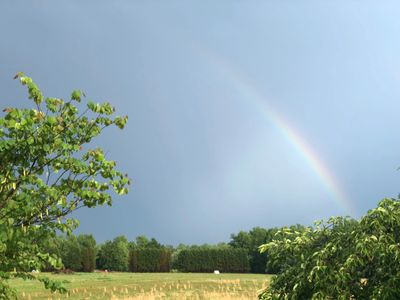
77 95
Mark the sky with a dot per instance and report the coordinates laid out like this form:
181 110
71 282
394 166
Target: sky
241 113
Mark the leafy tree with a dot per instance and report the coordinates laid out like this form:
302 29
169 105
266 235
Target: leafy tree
114 255
47 171
251 241
154 244
141 241
241 240
51 245
340 259
175 255
71 254
148 255
87 245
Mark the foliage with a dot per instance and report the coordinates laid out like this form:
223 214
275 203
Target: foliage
181 247
202 259
148 255
340 259
77 253
47 172
150 260
87 245
114 255
251 241
142 241
71 254
51 245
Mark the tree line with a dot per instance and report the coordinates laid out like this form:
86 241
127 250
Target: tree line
353 259
241 254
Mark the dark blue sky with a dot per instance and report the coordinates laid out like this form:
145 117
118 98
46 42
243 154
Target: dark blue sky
236 108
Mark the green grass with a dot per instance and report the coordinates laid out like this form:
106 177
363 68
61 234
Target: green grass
148 286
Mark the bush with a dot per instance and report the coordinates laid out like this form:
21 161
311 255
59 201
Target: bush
207 260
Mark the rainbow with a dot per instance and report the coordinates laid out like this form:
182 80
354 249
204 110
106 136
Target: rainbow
249 92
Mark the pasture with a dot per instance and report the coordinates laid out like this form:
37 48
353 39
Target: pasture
148 286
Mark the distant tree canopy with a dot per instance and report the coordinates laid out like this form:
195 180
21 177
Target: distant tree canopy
140 255
143 242
208 259
150 259
71 253
143 254
47 171
88 252
114 255
339 259
251 241
81 254
78 253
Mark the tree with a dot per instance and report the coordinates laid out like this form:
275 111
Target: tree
47 171
141 241
52 246
114 255
71 253
251 241
340 259
88 252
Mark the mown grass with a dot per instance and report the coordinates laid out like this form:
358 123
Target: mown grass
148 286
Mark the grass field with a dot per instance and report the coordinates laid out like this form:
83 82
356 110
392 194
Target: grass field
148 286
